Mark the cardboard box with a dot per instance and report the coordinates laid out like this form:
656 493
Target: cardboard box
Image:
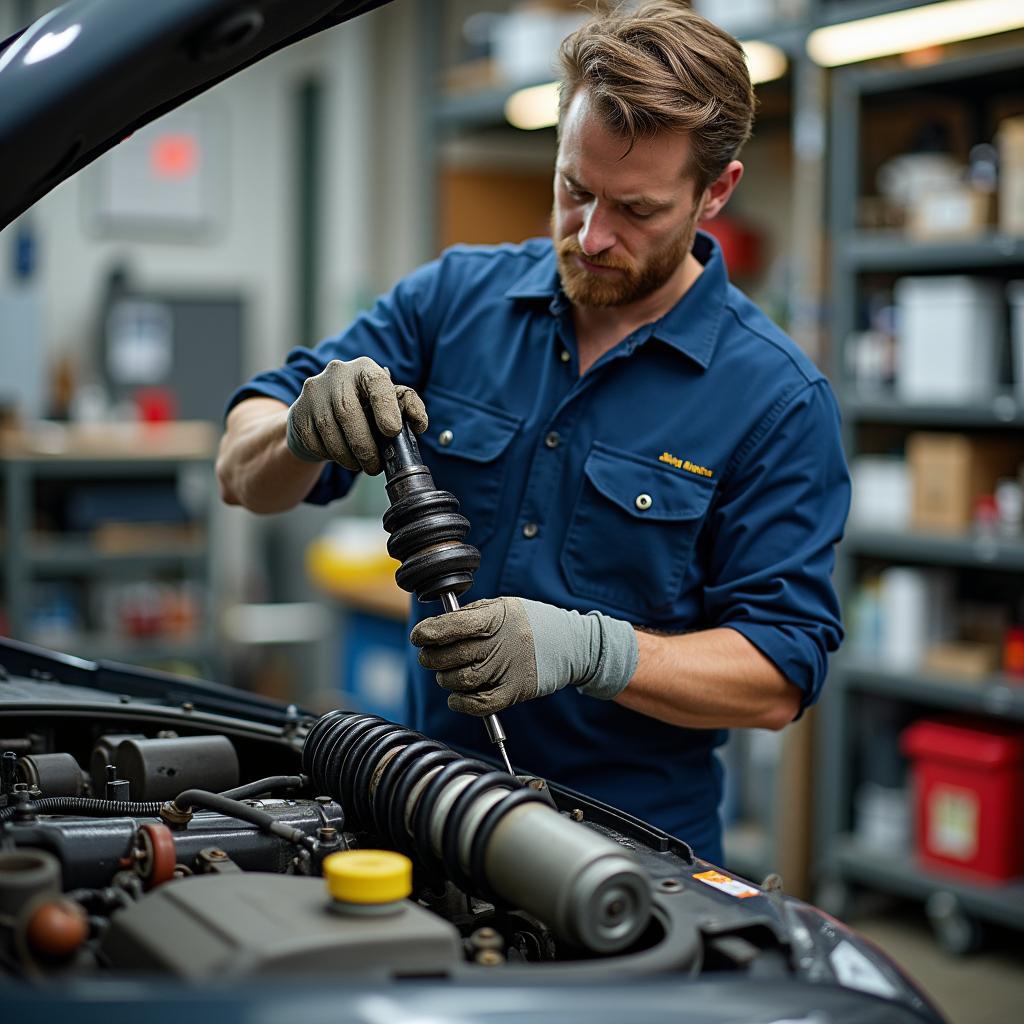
961 212
1010 142
949 471
963 659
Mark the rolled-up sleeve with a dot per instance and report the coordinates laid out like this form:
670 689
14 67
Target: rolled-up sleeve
397 332
781 511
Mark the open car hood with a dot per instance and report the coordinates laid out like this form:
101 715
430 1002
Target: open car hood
88 74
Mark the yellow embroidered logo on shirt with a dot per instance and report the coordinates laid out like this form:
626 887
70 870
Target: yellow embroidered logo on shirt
690 467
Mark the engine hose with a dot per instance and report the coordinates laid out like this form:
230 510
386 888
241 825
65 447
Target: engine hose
263 786
85 807
481 828
243 812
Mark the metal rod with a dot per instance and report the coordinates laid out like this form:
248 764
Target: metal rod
495 732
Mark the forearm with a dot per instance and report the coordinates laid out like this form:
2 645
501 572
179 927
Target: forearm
255 469
711 679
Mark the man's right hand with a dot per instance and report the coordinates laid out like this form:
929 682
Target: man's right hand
329 421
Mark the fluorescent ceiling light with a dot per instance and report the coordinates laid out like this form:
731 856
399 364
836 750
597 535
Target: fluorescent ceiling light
765 61
537 105
914 29
534 107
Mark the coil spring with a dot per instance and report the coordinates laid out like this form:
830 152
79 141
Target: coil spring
390 780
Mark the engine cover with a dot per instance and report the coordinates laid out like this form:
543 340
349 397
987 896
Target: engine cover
252 923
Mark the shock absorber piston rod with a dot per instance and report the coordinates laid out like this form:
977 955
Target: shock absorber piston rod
427 537
495 732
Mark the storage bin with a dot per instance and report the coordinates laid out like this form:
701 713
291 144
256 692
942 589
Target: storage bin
968 791
950 336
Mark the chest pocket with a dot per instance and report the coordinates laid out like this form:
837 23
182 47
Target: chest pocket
465 447
632 531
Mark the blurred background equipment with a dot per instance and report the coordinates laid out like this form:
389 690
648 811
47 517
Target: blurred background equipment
185 348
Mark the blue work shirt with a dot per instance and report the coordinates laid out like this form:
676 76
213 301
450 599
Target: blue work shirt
692 478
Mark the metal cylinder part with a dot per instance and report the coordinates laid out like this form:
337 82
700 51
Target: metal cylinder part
584 886
52 774
161 769
8 771
103 754
25 875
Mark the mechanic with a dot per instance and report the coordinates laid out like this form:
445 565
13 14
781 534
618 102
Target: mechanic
653 471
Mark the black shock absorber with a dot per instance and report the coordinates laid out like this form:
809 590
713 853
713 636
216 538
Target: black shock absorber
427 533
427 536
483 829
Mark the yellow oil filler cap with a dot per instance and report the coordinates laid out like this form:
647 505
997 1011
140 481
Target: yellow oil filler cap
368 877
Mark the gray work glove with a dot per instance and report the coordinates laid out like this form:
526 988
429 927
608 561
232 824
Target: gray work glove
506 650
329 420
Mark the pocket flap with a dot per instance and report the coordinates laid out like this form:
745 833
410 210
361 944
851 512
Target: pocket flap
645 489
467 428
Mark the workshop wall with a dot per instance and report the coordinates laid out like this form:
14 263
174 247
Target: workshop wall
367 233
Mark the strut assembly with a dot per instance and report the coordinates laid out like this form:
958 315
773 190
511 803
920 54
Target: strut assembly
480 827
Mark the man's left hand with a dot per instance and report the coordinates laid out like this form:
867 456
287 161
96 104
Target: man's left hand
507 650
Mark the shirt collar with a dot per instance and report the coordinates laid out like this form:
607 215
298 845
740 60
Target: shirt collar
690 326
539 282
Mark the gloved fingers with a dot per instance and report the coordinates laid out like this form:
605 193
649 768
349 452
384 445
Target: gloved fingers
332 443
413 408
465 679
444 657
355 428
362 445
481 704
476 620
374 384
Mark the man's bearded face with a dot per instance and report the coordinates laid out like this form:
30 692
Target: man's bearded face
622 280
625 213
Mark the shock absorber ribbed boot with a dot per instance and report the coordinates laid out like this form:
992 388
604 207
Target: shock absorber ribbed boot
426 531
487 832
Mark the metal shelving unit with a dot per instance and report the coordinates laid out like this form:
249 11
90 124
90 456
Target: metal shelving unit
881 251
970 552
122 453
74 556
844 864
995 695
1001 410
901 876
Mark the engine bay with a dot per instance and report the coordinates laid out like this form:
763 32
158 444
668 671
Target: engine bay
132 845
152 827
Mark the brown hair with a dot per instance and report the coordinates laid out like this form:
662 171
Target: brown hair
663 67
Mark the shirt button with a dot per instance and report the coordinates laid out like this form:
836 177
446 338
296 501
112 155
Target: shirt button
530 530
644 502
445 438
553 440
564 355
